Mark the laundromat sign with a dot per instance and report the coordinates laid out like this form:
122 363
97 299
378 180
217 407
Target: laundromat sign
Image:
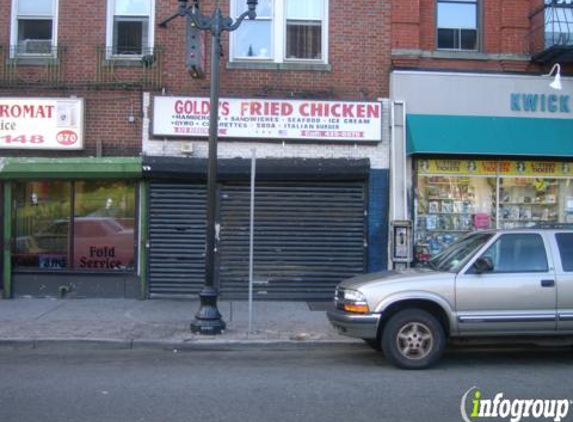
270 119
41 123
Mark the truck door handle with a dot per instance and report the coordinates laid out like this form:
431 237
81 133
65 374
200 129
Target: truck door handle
547 283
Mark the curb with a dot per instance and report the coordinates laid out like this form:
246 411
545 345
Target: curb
227 345
167 345
84 344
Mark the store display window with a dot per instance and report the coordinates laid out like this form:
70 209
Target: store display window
448 207
103 225
528 202
97 236
42 212
525 202
454 197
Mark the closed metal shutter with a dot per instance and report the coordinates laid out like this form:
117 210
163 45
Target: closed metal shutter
177 213
308 237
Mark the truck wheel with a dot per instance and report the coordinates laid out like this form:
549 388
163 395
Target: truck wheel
413 339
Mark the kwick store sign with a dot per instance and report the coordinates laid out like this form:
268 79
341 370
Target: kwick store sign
270 119
41 123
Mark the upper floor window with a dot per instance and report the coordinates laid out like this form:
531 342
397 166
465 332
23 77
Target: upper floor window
457 24
130 28
285 30
558 23
34 24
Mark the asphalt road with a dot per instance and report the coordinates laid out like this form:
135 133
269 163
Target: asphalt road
314 383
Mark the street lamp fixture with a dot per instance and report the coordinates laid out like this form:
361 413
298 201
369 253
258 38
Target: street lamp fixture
208 319
252 4
556 84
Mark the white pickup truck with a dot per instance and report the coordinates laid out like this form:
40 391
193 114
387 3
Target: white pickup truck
498 284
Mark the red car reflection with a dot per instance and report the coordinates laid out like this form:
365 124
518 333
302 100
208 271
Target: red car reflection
102 242
99 242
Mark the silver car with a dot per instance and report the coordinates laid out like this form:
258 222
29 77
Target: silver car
491 284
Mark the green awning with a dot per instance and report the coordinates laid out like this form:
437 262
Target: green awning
71 168
482 135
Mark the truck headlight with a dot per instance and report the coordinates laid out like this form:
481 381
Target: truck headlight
351 301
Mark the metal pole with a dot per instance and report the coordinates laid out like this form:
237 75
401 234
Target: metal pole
209 320
252 236
212 171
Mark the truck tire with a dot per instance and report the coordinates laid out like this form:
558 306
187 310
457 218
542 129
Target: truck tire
413 339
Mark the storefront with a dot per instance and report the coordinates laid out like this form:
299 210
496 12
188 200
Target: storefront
477 152
454 197
72 227
69 224
320 197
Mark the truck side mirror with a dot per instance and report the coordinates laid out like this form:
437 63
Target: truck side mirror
483 264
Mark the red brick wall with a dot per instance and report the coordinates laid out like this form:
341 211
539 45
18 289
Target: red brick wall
359 53
406 24
505 30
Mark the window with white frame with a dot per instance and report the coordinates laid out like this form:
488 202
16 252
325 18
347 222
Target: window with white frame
130 28
457 24
558 23
34 24
285 30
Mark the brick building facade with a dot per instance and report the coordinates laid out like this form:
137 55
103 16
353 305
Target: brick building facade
123 215
117 209
506 37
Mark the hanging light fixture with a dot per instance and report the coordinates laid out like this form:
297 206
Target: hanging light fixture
556 84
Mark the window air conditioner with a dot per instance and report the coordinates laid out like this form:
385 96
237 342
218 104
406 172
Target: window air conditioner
36 47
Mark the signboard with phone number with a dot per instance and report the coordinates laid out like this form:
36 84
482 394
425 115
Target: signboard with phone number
41 123
255 118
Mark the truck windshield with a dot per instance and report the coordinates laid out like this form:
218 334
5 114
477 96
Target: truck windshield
457 254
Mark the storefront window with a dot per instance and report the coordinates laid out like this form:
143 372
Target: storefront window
529 202
449 207
103 225
41 224
454 197
524 202
99 237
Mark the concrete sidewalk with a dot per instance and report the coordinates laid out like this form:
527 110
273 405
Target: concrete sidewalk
125 323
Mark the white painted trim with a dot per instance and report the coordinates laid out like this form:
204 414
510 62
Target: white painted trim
109 28
278 35
466 74
403 160
393 193
398 167
14 26
55 24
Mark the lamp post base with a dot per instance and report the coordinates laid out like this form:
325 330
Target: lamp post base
208 321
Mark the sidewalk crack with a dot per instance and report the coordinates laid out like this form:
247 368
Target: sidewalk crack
49 312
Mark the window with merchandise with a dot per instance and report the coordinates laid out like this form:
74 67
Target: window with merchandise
455 197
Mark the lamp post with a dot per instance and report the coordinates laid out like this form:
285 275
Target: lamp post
208 319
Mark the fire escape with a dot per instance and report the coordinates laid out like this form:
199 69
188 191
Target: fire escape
551 35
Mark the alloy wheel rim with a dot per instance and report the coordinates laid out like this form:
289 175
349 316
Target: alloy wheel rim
415 341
